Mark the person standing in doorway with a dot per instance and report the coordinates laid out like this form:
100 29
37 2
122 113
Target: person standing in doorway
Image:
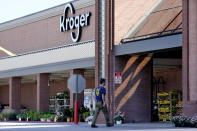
100 92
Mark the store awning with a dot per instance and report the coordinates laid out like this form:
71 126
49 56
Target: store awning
66 57
150 44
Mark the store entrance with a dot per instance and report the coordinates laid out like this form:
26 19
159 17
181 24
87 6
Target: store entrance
167 84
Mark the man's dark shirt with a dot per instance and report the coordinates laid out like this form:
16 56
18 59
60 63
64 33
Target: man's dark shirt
98 92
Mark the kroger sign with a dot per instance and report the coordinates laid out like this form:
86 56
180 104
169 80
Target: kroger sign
75 22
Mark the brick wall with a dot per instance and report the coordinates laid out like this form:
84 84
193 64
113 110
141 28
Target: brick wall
4 95
133 95
189 57
28 95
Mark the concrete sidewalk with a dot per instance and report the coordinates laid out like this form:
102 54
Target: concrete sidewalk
23 126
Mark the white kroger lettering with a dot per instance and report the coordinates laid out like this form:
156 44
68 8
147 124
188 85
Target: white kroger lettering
87 15
76 22
71 23
82 20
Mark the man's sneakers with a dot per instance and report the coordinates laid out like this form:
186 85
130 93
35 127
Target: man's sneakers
109 125
94 126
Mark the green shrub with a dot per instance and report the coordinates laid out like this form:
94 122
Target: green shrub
183 121
179 121
9 114
83 109
1 116
34 115
193 121
81 112
22 116
52 117
118 118
29 114
59 118
72 111
45 115
86 114
48 116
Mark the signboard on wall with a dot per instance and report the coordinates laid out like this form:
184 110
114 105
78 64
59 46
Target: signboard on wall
118 77
89 98
76 22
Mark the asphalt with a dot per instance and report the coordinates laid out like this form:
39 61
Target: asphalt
23 126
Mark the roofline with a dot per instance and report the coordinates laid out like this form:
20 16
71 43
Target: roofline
44 50
44 14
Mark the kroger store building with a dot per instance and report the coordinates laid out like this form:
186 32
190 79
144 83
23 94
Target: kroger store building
141 48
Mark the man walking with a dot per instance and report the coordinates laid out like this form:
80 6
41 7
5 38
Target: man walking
100 92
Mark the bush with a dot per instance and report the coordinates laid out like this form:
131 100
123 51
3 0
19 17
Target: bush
179 121
83 109
22 116
1 116
35 115
86 114
72 111
118 117
45 115
194 121
183 121
9 114
59 117
29 114
52 117
187 122
81 112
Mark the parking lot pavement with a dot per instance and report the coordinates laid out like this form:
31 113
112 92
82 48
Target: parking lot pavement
23 126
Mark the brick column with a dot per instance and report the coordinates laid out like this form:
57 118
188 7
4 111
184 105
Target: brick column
133 95
189 84
15 93
80 95
109 56
42 92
